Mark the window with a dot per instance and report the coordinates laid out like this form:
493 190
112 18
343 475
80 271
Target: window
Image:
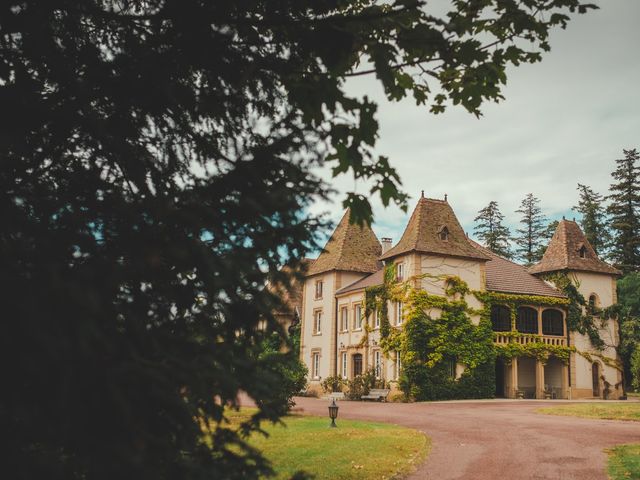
399 271
451 368
344 364
357 321
317 324
315 364
357 364
443 233
376 319
527 320
583 252
319 289
398 365
552 322
500 318
377 363
592 307
344 319
399 313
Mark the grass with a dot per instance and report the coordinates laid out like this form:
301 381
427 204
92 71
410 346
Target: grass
604 411
624 462
354 450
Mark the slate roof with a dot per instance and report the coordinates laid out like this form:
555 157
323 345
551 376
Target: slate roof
422 233
505 276
376 278
291 294
351 248
563 253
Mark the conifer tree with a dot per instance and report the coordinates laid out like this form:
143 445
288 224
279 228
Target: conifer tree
530 240
549 230
594 218
491 232
624 211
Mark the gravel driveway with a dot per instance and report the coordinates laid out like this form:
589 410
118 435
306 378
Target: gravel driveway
496 439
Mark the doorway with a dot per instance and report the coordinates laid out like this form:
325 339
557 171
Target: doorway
595 374
357 364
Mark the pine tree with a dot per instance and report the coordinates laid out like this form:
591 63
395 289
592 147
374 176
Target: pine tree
490 230
594 218
548 232
530 240
624 212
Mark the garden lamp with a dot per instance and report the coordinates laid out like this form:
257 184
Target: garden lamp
333 413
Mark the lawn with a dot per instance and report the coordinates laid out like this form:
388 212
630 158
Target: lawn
354 450
624 462
604 410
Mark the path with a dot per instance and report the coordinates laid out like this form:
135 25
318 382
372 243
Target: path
496 439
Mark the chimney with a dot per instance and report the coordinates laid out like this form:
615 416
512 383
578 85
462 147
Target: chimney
386 244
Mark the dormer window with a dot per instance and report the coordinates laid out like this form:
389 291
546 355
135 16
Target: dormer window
583 252
443 233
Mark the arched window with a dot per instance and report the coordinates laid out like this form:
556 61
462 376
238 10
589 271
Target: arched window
552 322
500 318
443 233
527 320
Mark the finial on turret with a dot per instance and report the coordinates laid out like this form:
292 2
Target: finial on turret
445 197
563 217
422 194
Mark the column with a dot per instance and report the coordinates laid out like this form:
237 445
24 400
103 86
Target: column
539 379
514 378
565 381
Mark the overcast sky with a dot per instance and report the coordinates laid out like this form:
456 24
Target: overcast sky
563 121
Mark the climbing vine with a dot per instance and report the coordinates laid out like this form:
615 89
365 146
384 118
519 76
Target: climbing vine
580 318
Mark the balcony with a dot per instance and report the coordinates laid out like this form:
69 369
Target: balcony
524 339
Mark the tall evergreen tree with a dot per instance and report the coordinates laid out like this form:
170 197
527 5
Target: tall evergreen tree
530 240
548 232
594 218
624 211
490 230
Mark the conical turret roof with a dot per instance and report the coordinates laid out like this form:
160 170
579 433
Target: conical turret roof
569 249
351 248
423 233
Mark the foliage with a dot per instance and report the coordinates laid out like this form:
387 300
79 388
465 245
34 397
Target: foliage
624 462
156 169
361 384
355 450
491 232
530 237
635 368
629 319
430 346
593 219
377 299
287 367
538 350
333 383
624 211
547 234
580 318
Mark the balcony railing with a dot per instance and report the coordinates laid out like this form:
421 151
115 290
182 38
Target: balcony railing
524 339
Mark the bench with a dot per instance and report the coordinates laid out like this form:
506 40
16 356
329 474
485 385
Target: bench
377 394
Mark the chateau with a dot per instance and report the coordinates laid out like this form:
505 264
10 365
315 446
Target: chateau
337 338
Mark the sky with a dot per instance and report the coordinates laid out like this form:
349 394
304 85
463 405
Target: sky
564 121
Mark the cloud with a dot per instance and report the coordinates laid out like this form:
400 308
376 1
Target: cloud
565 120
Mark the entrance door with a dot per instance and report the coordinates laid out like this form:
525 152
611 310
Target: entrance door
357 364
595 373
499 378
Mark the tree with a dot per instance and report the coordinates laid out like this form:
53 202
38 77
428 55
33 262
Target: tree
629 319
530 240
594 219
547 234
490 230
156 162
624 211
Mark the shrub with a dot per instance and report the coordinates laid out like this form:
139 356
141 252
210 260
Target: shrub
635 368
333 383
361 384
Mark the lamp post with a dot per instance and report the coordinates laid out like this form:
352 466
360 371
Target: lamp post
333 413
